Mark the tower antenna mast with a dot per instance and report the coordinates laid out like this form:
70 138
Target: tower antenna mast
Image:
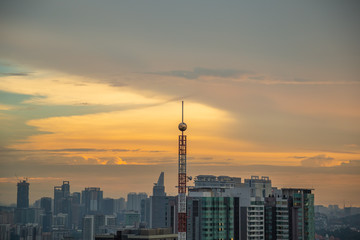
182 180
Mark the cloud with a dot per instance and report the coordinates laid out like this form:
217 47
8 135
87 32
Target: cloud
51 88
5 107
14 74
73 150
204 72
298 157
320 161
351 163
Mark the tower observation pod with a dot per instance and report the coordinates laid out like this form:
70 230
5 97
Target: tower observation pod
182 180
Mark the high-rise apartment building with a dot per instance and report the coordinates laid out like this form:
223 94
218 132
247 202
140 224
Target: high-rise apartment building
22 194
212 217
45 203
277 222
301 213
248 197
108 206
62 203
134 201
46 218
119 205
92 199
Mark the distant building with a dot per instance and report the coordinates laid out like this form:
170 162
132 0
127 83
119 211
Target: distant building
134 201
62 201
119 205
92 199
140 234
108 206
158 205
88 227
46 218
45 203
22 194
159 187
58 195
97 224
132 219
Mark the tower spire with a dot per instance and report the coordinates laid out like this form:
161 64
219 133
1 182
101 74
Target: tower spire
182 180
182 112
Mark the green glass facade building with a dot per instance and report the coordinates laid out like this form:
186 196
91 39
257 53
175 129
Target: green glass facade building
301 213
212 218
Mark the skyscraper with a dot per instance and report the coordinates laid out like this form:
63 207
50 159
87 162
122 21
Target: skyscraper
58 195
212 217
134 201
65 187
22 194
45 203
158 203
301 213
159 187
92 198
62 198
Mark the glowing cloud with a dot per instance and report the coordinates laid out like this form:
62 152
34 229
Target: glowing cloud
59 89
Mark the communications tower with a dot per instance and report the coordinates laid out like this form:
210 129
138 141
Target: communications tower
182 180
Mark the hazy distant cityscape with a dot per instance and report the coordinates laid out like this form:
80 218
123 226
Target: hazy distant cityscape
238 209
179 120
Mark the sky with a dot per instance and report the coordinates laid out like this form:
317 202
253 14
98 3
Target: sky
91 91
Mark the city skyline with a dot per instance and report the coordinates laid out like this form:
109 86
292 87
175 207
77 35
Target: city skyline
91 93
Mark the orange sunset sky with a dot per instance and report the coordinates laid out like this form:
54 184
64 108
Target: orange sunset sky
91 92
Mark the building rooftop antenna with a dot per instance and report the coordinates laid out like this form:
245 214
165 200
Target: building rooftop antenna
182 125
182 179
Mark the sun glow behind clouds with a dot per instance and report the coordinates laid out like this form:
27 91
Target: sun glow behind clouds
57 89
151 130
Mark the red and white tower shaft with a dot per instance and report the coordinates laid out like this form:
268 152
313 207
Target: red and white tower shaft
182 180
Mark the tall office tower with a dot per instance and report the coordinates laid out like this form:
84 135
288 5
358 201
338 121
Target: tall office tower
92 200
134 201
182 179
108 206
65 187
23 194
62 198
88 227
301 213
76 197
77 210
131 201
120 205
156 218
159 187
212 217
46 218
58 195
45 203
